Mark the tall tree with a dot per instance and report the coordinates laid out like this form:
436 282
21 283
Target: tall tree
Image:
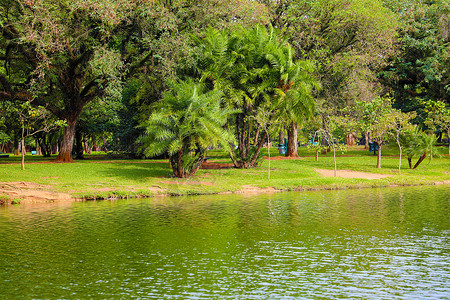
168 38
420 70
256 70
76 51
348 40
376 115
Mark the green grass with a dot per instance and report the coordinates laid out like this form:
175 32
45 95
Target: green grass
100 177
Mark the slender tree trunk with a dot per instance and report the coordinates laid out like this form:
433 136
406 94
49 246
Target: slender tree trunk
240 133
65 153
255 143
439 137
258 149
379 157
421 158
334 158
291 150
366 140
23 147
79 151
179 164
448 134
268 152
281 142
400 156
410 162
197 165
325 142
249 129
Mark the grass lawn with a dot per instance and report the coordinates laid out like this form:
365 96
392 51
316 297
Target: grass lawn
99 176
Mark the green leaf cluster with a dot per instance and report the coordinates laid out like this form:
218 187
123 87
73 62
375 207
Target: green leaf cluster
186 122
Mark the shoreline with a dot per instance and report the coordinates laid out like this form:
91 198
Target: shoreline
32 193
99 179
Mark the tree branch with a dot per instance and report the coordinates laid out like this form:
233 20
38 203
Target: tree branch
60 113
87 88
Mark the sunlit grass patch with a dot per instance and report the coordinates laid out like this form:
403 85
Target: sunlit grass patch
88 179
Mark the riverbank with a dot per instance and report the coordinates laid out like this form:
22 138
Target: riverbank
101 177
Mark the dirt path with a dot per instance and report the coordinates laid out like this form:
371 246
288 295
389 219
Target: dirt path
351 174
29 192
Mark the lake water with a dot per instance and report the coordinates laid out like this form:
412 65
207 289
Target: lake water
388 243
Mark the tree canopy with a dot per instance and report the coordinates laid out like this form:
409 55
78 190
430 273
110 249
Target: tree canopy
105 68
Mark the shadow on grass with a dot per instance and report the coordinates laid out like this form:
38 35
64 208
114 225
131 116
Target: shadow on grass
28 159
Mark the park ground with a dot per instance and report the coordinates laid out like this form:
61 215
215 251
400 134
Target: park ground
107 176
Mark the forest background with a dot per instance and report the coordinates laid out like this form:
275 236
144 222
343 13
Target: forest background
75 75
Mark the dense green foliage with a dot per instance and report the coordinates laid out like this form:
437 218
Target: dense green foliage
103 68
185 123
260 79
419 72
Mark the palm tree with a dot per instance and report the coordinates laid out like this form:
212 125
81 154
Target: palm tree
417 143
255 69
294 98
186 121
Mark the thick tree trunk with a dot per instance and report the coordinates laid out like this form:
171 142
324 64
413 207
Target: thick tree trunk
291 150
350 139
366 140
16 145
65 153
87 147
44 147
379 157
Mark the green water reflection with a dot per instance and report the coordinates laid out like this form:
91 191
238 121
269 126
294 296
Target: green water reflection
383 243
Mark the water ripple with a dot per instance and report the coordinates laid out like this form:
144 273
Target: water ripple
389 244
